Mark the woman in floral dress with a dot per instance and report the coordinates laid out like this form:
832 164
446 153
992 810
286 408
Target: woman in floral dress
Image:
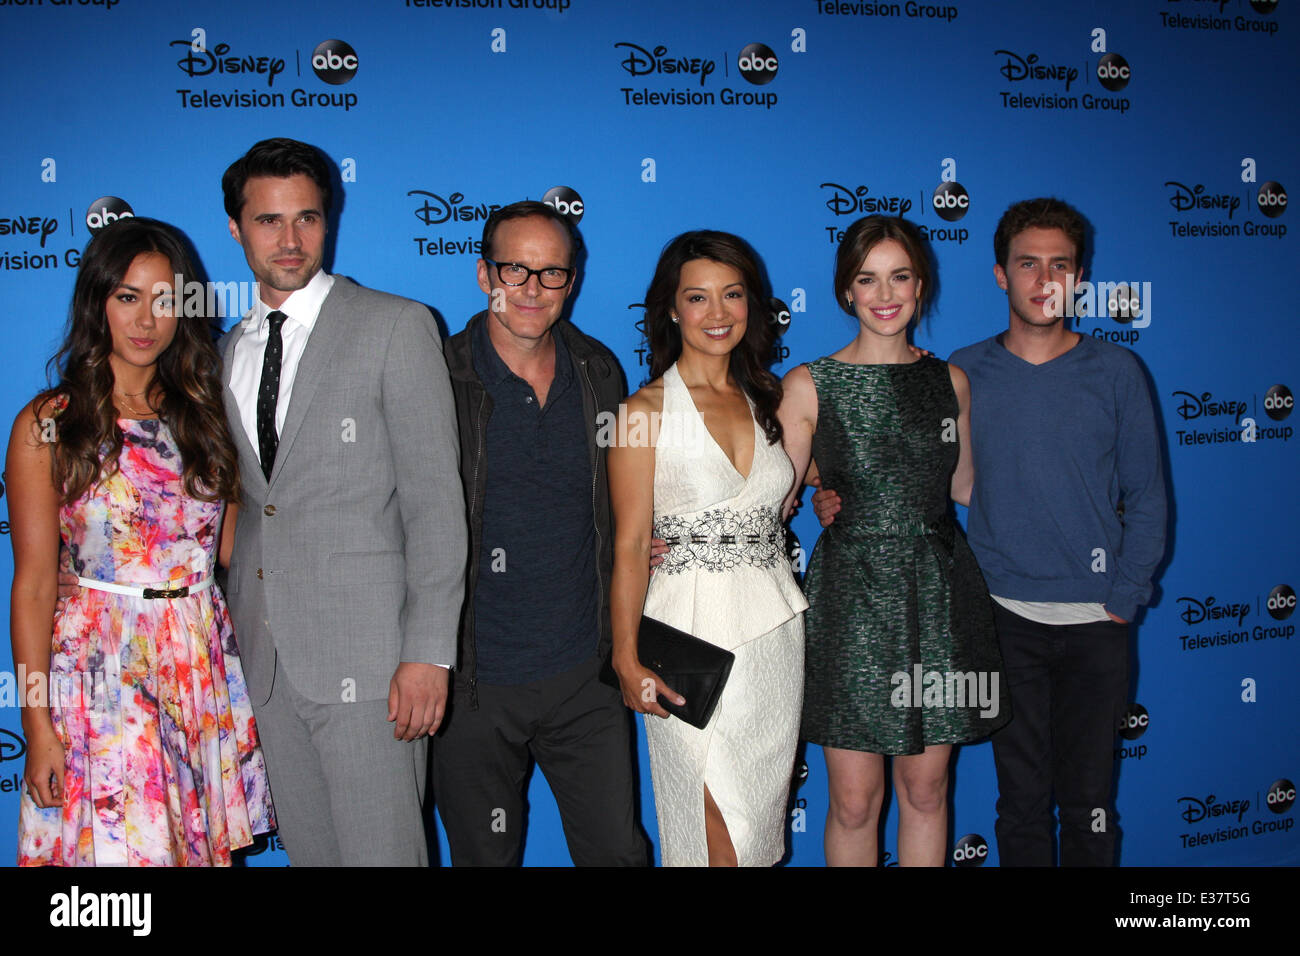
141 746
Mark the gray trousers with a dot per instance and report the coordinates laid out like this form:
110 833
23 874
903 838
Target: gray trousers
346 792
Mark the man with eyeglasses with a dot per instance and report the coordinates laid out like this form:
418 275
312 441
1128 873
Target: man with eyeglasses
529 387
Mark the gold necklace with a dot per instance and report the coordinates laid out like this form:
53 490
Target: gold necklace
148 412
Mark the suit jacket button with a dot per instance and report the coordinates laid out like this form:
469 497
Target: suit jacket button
268 510
259 574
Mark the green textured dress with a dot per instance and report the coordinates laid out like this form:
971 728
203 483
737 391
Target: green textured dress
901 650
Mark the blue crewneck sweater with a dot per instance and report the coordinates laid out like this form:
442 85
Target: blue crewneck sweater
1057 447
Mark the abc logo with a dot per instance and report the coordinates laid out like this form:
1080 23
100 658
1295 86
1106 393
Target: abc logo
1278 402
1134 723
757 63
1113 72
971 850
1281 602
1263 6
780 315
334 61
950 201
1124 303
1281 794
107 209
1271 199
566 202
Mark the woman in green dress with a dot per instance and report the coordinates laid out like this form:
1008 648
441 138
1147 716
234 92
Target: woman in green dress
902 658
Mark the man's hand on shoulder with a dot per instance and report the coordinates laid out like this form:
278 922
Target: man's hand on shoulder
417 699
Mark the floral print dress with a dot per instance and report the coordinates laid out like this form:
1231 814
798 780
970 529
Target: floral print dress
163 765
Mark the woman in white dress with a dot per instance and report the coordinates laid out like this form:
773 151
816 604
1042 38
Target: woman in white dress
702 466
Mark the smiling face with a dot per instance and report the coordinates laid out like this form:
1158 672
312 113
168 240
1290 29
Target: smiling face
885 291
1036 257
141 314
525 313
282 230
711 307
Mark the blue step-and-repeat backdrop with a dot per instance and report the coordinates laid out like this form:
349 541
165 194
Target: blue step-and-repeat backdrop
1169 123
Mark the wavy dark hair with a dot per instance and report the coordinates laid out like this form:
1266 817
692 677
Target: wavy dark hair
186 388
748 359
281 158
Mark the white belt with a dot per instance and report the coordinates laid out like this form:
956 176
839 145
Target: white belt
135 590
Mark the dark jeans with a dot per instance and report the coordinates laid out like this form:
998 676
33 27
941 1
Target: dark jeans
578 731
1069 688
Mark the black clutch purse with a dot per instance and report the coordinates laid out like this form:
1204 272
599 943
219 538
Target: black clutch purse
693 667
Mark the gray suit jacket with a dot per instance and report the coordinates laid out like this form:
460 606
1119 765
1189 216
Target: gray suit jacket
351 558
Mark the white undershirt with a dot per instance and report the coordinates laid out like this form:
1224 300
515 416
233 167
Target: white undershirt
302 308
1055 612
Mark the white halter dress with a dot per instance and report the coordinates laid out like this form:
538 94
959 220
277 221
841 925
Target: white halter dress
727 580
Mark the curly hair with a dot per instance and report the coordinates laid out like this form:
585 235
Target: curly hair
748 359
1042 213
187 376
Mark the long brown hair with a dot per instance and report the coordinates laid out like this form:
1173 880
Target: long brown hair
748 360
187 376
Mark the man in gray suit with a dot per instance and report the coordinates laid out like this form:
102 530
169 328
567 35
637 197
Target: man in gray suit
347 573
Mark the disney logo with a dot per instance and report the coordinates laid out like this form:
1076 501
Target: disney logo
1195 406
1194 811
30 225
203 61
1194 612
433 209
261 843
641 61
1018 68
1185 198
844 201
11 745
640 323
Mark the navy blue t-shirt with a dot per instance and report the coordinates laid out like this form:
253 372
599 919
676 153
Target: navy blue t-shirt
535 604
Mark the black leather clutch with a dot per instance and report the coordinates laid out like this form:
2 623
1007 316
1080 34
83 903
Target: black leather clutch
693 667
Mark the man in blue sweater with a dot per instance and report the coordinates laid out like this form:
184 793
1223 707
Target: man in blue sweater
1067 520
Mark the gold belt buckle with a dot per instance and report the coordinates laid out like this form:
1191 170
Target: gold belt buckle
151 594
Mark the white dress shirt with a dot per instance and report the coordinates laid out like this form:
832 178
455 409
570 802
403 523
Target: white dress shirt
302 308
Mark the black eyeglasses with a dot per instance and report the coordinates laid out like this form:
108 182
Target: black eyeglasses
512 273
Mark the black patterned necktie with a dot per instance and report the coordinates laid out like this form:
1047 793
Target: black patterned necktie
268 394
